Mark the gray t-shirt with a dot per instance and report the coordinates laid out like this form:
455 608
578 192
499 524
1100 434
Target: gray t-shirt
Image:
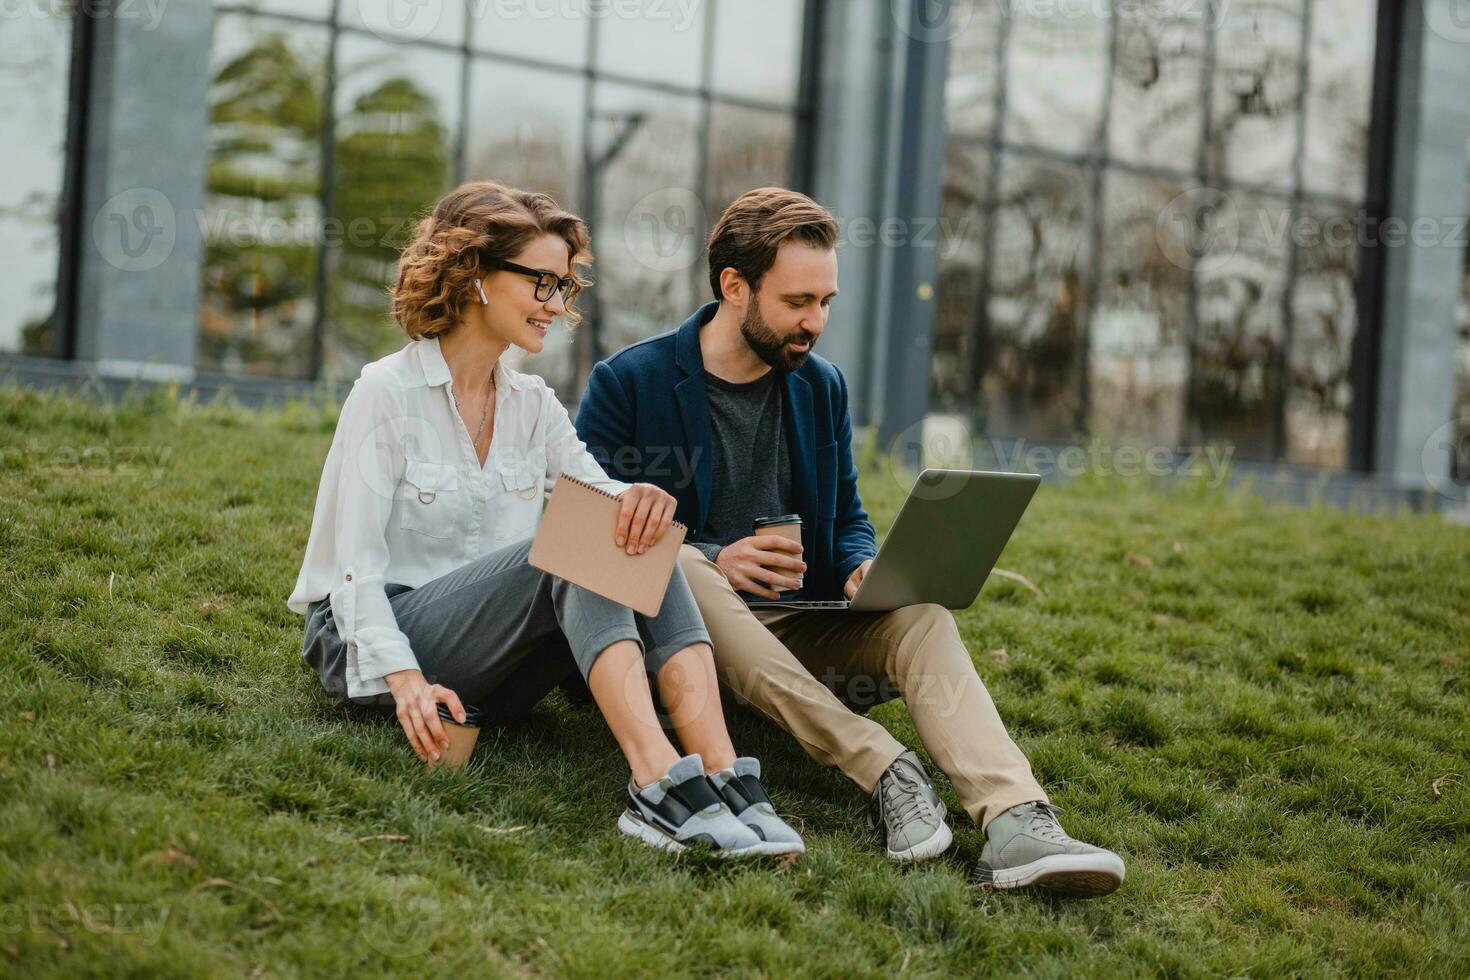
752 461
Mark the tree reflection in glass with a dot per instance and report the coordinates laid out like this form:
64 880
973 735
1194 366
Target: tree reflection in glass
262 197
1254 91
1139 351
1038 305
649 221
393 146
35 61
1241 280
953 383
1325 317
1156 117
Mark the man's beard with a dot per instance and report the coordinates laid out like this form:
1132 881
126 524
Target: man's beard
770 346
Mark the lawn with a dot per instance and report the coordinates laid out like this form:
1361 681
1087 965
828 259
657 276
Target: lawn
1263 709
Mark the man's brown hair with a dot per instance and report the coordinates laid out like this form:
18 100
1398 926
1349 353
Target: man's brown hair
751 230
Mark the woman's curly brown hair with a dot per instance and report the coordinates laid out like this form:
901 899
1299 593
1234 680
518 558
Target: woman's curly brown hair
471 227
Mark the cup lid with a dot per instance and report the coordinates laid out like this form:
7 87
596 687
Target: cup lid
776 521
472 716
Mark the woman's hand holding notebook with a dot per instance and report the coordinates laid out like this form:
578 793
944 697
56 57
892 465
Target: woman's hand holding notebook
576 543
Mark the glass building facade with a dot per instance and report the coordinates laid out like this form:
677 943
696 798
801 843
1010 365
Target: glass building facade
1152 217
35 88
1130 198
334 126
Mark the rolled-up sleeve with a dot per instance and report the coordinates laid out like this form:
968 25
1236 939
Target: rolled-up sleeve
369 461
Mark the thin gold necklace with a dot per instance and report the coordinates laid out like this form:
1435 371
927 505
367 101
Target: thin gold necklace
484 413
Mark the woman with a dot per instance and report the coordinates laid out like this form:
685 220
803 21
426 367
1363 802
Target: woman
416 583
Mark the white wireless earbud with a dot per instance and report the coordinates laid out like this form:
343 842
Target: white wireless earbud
484 300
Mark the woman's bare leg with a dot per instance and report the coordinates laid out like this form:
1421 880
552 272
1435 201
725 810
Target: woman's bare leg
689 690
620 687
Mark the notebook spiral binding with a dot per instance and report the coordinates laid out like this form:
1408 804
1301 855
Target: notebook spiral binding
612 496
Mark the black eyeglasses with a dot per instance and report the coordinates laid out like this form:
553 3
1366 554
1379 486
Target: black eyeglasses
547 283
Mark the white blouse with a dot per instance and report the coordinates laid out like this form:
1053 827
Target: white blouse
403 498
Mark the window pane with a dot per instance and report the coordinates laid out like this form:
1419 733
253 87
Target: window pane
965 212
974 73
1242 277
35 64
758 48
1057 64
1155 117
653 40
1138 350
534 144
262 207
555 32
407 20
648 231
1255 89
397 108
1325 319
748 148
1037 309
1340 84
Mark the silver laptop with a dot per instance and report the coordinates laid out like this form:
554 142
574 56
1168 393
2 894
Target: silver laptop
947 537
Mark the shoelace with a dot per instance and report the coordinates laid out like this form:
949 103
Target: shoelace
904 807
1043 823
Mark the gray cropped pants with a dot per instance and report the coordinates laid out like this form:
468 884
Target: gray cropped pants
501 633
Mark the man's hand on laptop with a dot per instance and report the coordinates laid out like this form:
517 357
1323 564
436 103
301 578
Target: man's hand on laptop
647 513
763 565
856 578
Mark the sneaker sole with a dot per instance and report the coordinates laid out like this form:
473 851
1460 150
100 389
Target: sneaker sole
646 833
1070 875
924 849
775 848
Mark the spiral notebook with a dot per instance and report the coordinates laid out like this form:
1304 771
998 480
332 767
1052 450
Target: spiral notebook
575 542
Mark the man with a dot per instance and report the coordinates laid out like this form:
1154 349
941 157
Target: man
736 399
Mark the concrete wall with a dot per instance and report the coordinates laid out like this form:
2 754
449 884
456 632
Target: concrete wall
1421 285
137 300
879 166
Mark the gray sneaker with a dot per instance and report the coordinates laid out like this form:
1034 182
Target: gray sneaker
1025 846
905 805
681 810
740 787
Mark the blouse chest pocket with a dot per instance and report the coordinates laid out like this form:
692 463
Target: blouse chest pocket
429 506
520 508
521 480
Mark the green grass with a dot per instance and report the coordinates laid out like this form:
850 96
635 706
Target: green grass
1267 718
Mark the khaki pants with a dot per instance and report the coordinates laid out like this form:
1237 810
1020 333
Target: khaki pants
812 672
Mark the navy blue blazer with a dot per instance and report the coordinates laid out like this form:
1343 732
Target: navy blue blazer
645 418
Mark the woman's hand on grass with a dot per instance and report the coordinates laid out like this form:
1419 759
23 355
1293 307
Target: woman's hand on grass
418 711
647 513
